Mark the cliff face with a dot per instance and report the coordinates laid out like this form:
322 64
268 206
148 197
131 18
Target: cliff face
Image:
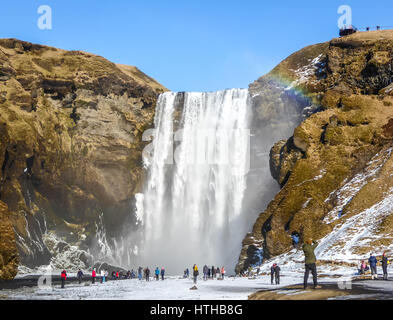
335 171
70 151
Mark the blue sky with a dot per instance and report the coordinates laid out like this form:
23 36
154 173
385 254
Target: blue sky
189 45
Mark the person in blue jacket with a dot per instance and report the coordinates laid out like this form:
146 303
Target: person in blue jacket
162 273
373 266
157 272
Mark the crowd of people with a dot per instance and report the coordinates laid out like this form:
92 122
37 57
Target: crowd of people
208 273
212 272
145 273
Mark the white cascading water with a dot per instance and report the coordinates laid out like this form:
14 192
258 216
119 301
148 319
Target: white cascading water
192 206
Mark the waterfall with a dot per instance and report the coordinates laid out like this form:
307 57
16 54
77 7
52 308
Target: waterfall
192 206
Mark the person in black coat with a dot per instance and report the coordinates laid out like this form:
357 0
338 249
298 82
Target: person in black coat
79 276
277 270
385 263
272 271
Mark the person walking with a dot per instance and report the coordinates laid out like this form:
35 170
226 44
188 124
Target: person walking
385 261
63 278
213 272
195 273
147 274
102 275
140 269
222 273
205 272
93 276
79 275
117 275
277 270
295 239
157 273
162 273
373 266
272 271
218 272
310 262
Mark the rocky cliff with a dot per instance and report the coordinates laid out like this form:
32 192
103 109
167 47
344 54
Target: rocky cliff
70 153
335 171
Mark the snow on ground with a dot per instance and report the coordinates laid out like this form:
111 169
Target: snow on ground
173 288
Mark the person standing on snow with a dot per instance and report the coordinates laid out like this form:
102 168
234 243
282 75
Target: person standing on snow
195 273
310 262
272 271
277 270
63 278
147 274
218 272
93 276
162 273
385 261
140 273
157 273
79 275
222 273
213 272
205 272
373 266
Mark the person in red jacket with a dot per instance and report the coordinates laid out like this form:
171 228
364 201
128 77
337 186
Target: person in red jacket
93 276
63 278
117 275
222 273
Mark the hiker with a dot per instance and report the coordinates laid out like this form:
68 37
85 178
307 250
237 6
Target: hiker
373 266
310 262
63 278
102 274
195 273
162 273
218 272
277 270
385 261
93 276
213 272
187 272
117 275
205 272
79 275
157 273
147 274
272 271
140 273
295 239
208 272
222 273
132 274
